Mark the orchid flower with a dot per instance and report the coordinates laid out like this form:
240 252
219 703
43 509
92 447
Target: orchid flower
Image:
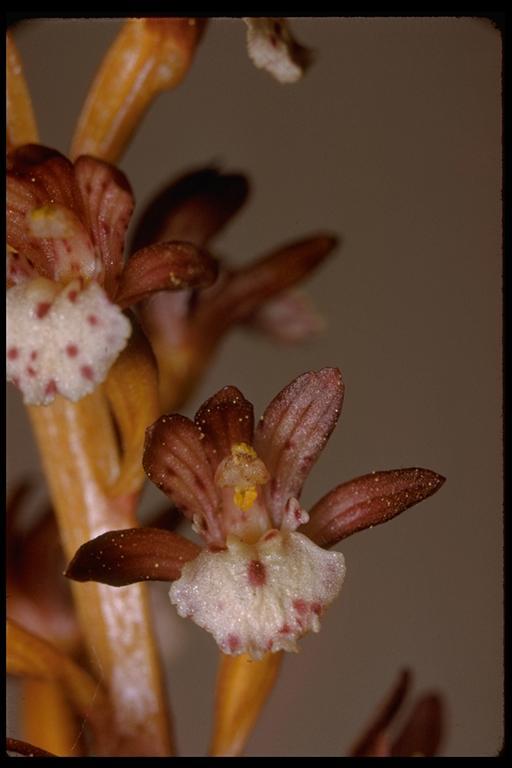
67 282
186 328
264 578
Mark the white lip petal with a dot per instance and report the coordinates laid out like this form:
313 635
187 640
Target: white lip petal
61 340
256 598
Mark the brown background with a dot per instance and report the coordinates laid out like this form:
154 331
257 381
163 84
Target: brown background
393 141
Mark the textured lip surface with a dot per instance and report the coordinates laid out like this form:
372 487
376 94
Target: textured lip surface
256 598
61 341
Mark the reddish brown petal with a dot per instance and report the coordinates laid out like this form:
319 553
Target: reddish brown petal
245 290
422 733
24 749
40 177
370 743
108 204
225 419
124 557
194 208
368 500
164 267
175 460
293 430
47 171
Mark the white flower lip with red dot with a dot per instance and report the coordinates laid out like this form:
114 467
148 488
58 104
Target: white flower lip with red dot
61 340
262 597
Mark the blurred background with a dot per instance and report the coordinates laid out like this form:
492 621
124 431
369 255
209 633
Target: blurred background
392 140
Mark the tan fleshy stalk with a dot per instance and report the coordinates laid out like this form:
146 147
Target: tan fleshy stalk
30 656
48 720
132 391
147 57
243 686
21 124
79 452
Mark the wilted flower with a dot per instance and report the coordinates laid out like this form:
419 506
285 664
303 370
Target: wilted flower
272 47
66 277
263 579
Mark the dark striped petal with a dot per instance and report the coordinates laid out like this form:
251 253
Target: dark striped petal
194 208
293 431
423 731
45 212
175 460
108 205
164 267
49 174
127 556
366 501
225 419
373 741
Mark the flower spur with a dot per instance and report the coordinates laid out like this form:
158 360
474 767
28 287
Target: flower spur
264 577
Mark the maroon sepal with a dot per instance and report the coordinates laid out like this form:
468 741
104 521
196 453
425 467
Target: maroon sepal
368 500
164 267
127 556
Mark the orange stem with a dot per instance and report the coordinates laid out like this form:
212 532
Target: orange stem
243 687
80 457
48 720
147 57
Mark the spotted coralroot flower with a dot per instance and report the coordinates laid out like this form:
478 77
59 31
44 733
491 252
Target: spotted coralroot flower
186 328
264 578
66 278
271 47
419 735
